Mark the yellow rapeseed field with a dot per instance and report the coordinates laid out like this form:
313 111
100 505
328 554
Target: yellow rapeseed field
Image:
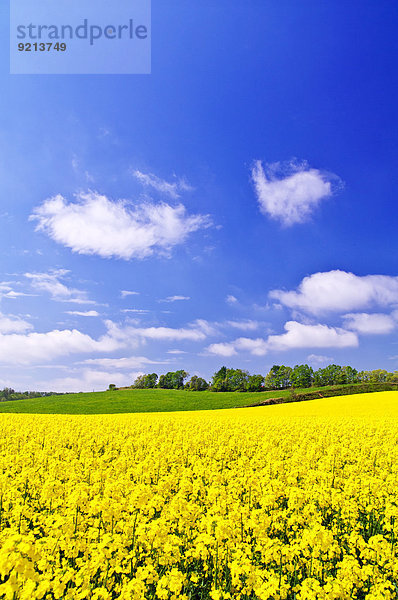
295 501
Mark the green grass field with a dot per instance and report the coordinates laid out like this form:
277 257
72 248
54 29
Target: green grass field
159 400
130 401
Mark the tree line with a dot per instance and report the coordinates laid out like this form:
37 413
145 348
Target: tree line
8 394
279 377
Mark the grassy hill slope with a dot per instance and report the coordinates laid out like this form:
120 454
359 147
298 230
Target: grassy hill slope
159 400
129 401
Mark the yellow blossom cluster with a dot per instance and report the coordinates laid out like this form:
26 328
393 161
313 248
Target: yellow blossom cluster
290 502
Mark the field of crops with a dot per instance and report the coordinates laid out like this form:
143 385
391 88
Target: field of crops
296 501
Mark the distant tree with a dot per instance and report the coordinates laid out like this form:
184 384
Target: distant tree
302 376
165 382
196 384
173 380
271 379
230 380
151 380
7 392
363 376
146 381
319 377
337 375
255 383
350 374
328 375
379 376
218 381
237 380
279 377
112 387
139 382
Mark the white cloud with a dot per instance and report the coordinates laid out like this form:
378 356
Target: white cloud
131 362
171 189
5 287
176 352
231 299
196 331
13 325
365 323
319 359
257 347
50 282
139 311
75 163
87 313
169 333
174 298
222 349
20 346
247 324
297 335
7 290
88 380
289 192
204 326
339 291
33 348
42 348
95 225
125 293
13 294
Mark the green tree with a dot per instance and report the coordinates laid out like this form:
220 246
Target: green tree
230 380
173 380
255 383
146 381
219 380
363 376
302 376
349 375
196 384
378 376
279 377
237 380
330 375
271 379
320 377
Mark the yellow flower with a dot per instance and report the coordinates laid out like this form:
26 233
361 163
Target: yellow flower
290 499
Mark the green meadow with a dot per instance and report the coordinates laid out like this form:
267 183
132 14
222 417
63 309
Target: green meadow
131 401
160 400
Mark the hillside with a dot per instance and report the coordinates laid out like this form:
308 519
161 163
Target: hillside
159 400
136 401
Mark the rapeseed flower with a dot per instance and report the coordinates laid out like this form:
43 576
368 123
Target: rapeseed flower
276 503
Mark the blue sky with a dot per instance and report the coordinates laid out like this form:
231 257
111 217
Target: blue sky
237 206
